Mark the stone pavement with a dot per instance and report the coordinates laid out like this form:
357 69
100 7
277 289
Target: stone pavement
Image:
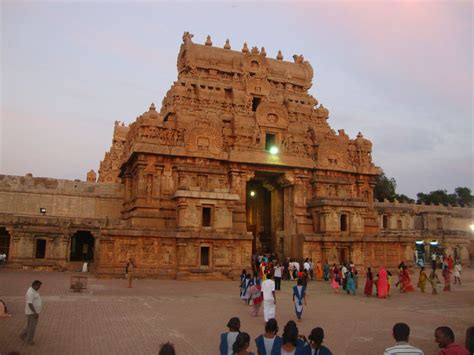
112 319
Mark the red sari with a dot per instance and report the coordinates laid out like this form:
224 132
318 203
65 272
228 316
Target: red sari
369 284
382 283
405 282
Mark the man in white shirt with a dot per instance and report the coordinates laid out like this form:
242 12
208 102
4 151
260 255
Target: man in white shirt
269 298
32 311
401 333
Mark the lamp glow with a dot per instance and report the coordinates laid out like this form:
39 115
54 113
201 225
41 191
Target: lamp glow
472 227
274 150
252 193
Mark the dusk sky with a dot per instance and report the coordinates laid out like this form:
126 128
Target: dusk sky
398 71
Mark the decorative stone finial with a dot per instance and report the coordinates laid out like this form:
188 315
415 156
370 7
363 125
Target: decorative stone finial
152 107
359 135
208 41
187 37
227 44
255 50
263 53
298 59
245 49
279 55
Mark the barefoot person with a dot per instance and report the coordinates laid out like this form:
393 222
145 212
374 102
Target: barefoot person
32 311
299 298
129 269
269 298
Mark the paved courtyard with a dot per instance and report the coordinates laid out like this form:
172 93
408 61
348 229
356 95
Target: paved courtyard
112 319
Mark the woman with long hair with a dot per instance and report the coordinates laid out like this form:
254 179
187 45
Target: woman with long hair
242 343
369 283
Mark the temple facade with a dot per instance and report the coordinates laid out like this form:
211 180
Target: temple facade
240 159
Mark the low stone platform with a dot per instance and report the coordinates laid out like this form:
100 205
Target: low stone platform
109 318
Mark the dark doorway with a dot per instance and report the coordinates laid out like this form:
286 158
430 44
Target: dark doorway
205 256
264 211
343 255
82 246
4 242
40 251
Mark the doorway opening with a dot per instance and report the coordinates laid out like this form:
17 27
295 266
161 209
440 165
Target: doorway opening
265 212
82 246
4 242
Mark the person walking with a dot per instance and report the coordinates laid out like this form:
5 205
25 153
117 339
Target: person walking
299 298
401 334
326 271
382 283
444 337
269 343
33 307
350 283
434 281
457 273
336 281
422 280
447 278
256 296
129 270
269 298
277 273
369 283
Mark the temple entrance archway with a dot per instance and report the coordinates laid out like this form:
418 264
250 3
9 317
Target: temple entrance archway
4 241
265 212
82 246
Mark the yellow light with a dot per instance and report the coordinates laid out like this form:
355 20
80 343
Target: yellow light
472 227
274 150
252 193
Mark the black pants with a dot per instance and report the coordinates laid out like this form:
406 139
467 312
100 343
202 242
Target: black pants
277 283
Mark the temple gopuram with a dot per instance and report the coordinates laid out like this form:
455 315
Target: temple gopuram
240 159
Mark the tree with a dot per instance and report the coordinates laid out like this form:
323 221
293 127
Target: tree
385 188
462 196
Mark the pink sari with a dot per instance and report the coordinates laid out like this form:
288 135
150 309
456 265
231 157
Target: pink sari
382 288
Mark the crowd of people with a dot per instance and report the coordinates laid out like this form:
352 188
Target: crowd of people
236 342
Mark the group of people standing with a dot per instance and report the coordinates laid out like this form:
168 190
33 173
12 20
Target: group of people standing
235 342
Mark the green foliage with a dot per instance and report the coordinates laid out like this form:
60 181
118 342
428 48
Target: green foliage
462 196
385 188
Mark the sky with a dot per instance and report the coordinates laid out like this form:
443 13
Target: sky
398 71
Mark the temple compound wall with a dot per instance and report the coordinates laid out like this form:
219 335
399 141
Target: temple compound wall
240 159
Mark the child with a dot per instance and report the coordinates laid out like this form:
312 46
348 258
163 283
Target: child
257 297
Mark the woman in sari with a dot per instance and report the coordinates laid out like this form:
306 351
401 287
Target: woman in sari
369 283
335 283
405 281
382 288
319 271
447 278
422 280
434 281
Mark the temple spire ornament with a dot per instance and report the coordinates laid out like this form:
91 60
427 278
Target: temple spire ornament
227 44
208 41
279 55
245 48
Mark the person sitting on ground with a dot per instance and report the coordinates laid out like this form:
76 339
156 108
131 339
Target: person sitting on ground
444 336
401 333
269 343
228 338
241 345
315 343
167 349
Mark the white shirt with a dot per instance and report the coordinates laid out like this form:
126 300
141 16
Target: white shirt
297 266
404 348
268 344
344 270
33 296
457 270
278 271
306 266
268 286
231 336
